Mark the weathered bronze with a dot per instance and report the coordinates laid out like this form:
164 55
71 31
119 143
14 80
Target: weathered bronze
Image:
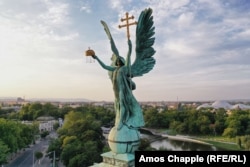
124 136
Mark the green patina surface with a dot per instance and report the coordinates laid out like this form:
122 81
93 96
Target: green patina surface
111 159
124 157
129 115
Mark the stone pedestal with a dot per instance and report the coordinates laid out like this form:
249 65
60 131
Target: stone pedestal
111 159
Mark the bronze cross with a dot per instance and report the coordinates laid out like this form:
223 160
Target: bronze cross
127 23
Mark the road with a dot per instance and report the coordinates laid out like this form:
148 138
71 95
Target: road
27 158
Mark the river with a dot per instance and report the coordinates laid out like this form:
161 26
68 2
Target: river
174 144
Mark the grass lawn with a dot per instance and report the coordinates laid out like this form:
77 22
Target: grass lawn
221 142
223 145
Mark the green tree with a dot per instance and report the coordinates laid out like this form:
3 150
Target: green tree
238 141
35 110
51 110
16 135
3 153
9 132
220 117
55 145
64 110
38 155
238 120
44 134
81 139
175 125
247 132
151 119
204 123
230 132
168 116
24 113
246 142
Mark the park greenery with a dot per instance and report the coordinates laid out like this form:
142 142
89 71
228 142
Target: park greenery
38 156
14 136
200 122
80 140
213 123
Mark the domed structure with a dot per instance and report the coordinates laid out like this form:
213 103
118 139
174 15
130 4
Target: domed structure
45 118
221 104
205 105
240 106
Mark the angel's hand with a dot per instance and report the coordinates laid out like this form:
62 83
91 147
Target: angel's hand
94 56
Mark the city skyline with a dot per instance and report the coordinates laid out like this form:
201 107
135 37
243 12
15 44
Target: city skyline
202 49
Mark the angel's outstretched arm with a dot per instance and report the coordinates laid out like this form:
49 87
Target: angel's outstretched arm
128 59
109 68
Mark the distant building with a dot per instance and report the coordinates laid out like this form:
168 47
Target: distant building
60 121
46 123
46 126
8 102
19 99
27 122
223 104
16 108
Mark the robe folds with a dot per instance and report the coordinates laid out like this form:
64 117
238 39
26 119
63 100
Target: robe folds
128 110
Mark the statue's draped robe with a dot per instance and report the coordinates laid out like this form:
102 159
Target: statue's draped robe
128 110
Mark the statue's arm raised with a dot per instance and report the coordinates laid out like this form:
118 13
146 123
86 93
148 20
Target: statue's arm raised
109 68
128 59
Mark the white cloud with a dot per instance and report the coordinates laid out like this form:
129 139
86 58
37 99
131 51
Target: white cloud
86 9
200 46
186 19
55 15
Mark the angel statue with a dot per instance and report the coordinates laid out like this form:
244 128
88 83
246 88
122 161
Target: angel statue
129 115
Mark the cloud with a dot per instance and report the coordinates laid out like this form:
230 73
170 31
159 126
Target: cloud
56 13
87 9
86 6
32 36
200 45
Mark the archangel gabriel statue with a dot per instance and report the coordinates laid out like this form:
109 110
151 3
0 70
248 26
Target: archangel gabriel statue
124 136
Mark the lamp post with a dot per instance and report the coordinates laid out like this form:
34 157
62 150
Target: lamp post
33 158
54 158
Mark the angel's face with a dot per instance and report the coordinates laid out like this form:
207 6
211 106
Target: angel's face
119 63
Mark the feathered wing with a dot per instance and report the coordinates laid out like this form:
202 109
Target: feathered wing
144 61
113 47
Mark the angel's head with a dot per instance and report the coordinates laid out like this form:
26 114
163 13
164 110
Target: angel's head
120 61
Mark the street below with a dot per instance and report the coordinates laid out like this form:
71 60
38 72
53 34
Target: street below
27 158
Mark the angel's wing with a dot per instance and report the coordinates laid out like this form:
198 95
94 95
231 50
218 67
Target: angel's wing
113 47
144 62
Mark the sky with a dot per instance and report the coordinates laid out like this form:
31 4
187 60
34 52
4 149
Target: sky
202 49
